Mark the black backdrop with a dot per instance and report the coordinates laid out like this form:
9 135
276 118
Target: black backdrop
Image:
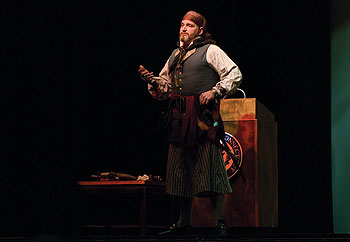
74 105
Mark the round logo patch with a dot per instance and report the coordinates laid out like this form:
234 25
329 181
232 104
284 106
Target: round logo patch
235 147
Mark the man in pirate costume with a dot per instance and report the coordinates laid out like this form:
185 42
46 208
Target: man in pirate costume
195 76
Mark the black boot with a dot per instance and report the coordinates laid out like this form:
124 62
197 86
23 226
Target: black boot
175 230
221 227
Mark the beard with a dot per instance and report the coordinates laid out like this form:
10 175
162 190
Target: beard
184 37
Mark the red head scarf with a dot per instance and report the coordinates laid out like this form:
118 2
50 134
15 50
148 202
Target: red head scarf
198 19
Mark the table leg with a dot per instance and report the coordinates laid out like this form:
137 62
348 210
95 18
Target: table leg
143 212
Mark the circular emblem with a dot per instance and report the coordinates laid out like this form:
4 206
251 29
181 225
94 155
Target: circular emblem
235 147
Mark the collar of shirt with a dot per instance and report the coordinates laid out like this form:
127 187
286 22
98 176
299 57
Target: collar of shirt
182 43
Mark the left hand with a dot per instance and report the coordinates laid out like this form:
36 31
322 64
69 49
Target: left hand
206 97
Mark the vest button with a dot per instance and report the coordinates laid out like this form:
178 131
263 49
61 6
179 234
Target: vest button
180 80
180 89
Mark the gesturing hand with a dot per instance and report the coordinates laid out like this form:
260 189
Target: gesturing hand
145 74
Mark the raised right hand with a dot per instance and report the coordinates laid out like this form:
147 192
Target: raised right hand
145 74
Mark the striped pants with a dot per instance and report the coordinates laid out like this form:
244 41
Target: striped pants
199 175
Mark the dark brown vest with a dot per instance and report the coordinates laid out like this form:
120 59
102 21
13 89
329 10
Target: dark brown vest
195 76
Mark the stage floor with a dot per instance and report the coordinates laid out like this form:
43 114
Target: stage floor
201 235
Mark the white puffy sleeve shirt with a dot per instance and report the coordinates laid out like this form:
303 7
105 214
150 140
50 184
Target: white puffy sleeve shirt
228 71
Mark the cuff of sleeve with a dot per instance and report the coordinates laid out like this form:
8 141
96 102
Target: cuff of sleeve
216 92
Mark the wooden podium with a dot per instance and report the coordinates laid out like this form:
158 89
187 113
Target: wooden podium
254 203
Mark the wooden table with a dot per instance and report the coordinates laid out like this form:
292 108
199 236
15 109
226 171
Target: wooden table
142 189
